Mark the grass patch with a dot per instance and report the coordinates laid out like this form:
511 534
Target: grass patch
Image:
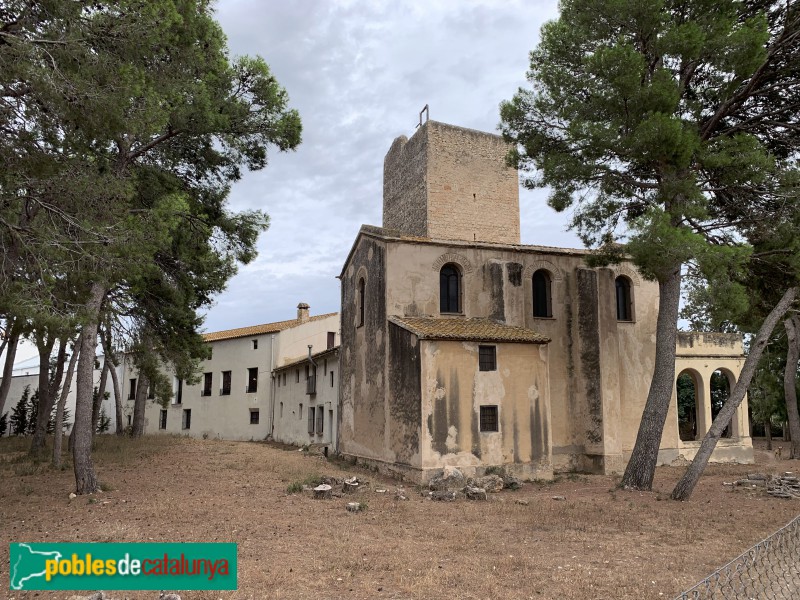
105 487
297 486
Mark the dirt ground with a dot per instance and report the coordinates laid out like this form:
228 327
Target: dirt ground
600 542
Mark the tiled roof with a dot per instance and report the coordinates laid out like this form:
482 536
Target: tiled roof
465 329
304 359
230 334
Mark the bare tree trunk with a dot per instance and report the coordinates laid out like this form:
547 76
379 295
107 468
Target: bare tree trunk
98 400
641 467
683 490
45 407
139 405
109 355
792 325
8 367
58 434
85 477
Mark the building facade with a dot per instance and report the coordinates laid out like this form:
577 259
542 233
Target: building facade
235 396
462 347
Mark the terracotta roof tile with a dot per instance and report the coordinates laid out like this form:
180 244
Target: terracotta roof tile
474 329
230 334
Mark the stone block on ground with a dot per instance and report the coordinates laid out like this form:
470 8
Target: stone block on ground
450 479
490 483
443 495
475 493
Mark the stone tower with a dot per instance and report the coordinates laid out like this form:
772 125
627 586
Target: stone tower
451 183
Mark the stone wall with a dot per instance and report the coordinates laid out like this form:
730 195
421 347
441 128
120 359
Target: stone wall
451 183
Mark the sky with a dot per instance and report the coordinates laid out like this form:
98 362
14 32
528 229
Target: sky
359 74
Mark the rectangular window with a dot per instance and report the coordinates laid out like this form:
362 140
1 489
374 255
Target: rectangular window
226 384
307 372
207 381
311 382
487 358
132 393
320 420
255 344
284 379
297 373
331 339
187 418
253 416
162 421
489 420
178 391
331 378
252 380
310 420
130 420
301 411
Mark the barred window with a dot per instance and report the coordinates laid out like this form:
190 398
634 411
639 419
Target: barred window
489 421
487 358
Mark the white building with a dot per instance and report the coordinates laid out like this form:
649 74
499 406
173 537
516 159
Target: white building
235 397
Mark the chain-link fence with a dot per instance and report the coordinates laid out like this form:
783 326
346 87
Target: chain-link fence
768 570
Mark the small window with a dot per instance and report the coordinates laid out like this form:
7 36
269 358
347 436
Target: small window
300 416
311 381
207 381
162 421
542 300
362 286
255 344
226 384
331 339
320 420
187 418
132 392
624 306
281 413
487 358
130 420
254 416
297 375
284 379
489 421
178 391
449 289
331 378
252 380
311 420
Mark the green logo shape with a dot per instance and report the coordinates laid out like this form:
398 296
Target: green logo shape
135 566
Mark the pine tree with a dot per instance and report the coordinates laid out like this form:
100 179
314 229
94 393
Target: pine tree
104 423
3 424
19 414
33 413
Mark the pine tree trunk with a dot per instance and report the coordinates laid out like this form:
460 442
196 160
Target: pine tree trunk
139 405
8 366
98 400
85 477
120 428
641 467
45 397
768 433
683 490
58 434
792 325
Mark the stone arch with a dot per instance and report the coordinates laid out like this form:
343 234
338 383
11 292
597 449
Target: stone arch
457 259
720 386
628 272
556 273
360 282
690 411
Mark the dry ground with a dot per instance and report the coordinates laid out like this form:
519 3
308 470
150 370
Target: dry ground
598 543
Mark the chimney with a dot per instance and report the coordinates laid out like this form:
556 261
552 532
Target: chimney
302 312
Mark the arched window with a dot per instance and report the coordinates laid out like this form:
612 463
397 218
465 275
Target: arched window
720 391
542 305
361 289
624 305
449 289
686 392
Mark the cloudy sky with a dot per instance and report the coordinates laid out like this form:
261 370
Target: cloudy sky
359 73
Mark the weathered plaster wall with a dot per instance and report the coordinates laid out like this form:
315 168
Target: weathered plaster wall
453 389
363 424
292 403
405 400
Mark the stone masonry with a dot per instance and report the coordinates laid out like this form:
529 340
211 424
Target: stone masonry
438 184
